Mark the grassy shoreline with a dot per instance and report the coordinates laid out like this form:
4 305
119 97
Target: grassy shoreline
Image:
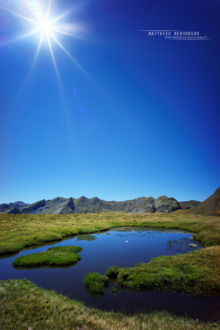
95 282
26 306
21 231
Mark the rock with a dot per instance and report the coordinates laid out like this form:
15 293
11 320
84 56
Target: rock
33 208
166 204
192 245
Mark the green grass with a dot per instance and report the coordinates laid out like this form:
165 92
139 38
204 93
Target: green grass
112 272
95 282
24 230
56 256
26 306
23 305
196 272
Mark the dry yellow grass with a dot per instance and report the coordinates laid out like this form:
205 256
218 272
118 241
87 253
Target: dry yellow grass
23 230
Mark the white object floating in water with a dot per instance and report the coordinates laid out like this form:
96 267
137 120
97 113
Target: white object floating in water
126 241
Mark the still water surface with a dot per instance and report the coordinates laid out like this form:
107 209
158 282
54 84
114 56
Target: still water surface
122 247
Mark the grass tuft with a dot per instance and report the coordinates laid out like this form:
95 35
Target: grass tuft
95 282
112 272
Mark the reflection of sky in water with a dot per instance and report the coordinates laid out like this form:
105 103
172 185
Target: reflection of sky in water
121 247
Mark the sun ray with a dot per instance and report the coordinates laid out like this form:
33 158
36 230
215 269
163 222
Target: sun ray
25 81
59 17
55 29
38 48
74 8
55 65
65 110
60 30
17 14
31 68
26 35
48 9
72 58
23 36
35 10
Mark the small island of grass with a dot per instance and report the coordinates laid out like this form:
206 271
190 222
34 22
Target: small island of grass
56 256
196 272
95 282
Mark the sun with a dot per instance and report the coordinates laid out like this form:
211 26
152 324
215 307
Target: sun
42 22
45 27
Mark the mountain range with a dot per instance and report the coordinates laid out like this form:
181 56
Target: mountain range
62 205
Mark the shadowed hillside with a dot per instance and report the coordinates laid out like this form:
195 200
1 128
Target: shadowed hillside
211 206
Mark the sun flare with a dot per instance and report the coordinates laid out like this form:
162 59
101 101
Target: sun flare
41 21
44 26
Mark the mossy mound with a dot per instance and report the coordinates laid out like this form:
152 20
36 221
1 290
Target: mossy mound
56 256
95 282
112 272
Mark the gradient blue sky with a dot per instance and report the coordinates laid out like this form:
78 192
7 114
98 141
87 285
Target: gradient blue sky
150 128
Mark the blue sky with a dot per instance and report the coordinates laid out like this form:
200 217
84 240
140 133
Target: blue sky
148 126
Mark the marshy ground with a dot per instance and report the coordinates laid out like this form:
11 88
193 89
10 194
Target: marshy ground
200 270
